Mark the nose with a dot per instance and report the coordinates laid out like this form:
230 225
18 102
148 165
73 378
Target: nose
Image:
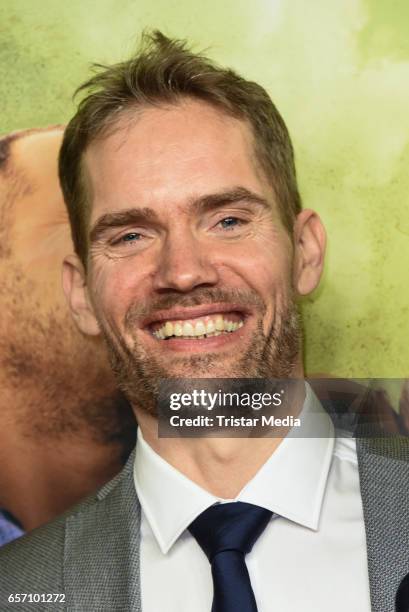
183 265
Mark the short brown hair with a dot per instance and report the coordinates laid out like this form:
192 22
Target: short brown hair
164 71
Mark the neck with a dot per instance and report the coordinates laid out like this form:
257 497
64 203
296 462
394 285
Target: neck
41 479
222 466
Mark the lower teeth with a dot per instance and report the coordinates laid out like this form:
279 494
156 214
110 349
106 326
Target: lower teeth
216 333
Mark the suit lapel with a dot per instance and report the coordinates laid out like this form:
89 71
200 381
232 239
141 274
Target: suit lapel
102 544
101 564
384 479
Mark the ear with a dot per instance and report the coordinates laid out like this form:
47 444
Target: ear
309 245
76 293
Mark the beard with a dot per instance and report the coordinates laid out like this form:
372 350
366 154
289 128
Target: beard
139 372
55 384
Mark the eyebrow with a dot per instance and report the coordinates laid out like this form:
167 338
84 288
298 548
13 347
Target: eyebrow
121 219
231 196
206 203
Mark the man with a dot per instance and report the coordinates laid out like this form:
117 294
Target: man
64 428
191 250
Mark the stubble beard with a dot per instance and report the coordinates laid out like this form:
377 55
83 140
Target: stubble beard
139 373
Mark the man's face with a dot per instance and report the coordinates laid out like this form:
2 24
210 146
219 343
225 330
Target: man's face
54 381
190 267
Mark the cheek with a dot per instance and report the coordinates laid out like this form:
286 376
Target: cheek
115 286
266 270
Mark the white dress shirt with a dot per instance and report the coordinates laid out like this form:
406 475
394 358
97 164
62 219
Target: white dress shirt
312 555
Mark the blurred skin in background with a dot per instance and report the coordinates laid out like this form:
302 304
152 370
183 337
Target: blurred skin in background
64 428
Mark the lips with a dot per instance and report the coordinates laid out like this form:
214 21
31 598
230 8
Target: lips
197 322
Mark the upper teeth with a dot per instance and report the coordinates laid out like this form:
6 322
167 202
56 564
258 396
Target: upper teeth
212 326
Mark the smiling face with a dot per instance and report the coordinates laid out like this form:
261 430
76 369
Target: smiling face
191 272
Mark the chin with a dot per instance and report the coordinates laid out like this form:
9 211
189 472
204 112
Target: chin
201 368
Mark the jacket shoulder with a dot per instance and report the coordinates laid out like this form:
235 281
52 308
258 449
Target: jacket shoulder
34 563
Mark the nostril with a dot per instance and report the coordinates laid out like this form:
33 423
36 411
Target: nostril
183 281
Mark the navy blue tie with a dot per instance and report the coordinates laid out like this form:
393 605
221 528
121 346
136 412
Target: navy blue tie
226 533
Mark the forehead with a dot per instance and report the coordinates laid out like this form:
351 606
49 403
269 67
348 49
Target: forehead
34 216
170 154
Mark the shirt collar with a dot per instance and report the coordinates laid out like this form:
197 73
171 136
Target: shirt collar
291 483
169 500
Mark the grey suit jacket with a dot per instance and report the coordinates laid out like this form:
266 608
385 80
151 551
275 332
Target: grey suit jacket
91 553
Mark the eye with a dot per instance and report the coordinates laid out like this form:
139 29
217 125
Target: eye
127 238
131 237
230 222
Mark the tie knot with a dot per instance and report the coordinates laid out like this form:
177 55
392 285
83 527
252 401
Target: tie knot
232 526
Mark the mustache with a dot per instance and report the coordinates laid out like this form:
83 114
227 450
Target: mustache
202 295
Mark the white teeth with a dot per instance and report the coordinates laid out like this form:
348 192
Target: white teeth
188 329
219 323
210 327
169 328
200 329
177 329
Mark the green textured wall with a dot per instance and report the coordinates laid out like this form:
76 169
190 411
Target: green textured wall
339 72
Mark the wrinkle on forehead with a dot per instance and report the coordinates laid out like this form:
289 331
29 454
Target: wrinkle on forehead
11 187
167 146
23 157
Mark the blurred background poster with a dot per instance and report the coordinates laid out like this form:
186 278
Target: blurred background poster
339 73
